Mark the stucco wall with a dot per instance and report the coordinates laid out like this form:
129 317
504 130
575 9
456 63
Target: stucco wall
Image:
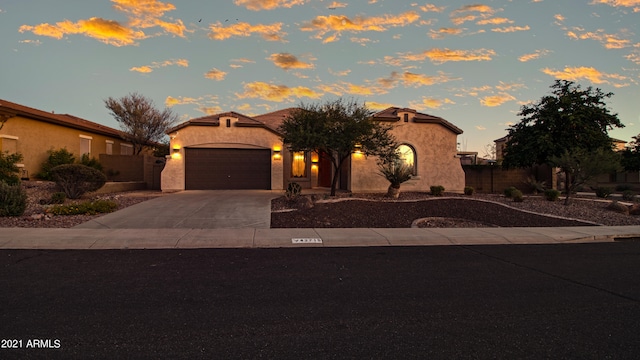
218 137
437 164
35 138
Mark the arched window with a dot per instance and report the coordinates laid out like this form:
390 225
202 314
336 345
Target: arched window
408 157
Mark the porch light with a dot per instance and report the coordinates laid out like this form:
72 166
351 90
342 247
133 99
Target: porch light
276 153
314 158
358 149
176 150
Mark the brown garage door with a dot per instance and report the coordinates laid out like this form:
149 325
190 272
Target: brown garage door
221 169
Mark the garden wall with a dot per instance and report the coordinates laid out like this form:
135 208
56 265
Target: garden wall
494 179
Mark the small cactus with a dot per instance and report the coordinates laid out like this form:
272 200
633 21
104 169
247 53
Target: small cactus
293 191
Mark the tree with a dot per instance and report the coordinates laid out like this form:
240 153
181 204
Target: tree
631 155
580 166
336 128
569 120
9 170
141 122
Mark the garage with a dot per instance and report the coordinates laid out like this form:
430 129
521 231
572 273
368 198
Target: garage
225 169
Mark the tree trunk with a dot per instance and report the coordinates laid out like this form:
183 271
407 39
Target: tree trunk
567 187
393 192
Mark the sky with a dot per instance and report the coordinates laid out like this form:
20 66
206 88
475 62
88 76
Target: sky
474 64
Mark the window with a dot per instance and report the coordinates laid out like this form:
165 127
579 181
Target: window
228 122
408 157
85 144
299 164
406 117
126 149
109 149
8 144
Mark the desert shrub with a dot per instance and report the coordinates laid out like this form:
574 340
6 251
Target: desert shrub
293 191
517 196
58 198
623 187
90 162
508 192
56 158
77 179
535 185
9 171
629 195
86 208
603 192
437 190
551 194
468 190
13 199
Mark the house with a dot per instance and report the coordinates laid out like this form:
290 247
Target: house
234 151
33 132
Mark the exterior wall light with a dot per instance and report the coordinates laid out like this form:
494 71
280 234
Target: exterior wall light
276 153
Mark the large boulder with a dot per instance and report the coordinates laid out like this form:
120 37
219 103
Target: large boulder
617 207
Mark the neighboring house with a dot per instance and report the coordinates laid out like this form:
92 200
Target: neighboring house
33 132
234 151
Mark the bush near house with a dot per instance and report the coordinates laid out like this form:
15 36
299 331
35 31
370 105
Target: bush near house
517 196
437 190
508 192
13 199
77 179
86 208
56 157
629 195
90 162
603 192
468 190
551 194
9 171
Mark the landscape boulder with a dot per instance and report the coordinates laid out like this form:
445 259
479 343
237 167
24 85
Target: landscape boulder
617 207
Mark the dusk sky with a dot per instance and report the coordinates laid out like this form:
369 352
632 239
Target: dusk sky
474 64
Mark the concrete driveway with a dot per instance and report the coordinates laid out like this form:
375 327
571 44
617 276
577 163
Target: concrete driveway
194 209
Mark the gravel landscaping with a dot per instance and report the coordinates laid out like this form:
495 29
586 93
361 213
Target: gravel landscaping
363 210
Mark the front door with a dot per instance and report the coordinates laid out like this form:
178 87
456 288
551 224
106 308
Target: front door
325 170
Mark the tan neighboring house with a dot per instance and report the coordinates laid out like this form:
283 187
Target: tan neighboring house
235 151
33 132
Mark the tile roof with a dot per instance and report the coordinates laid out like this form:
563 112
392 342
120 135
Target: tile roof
12 109
392 114
275 118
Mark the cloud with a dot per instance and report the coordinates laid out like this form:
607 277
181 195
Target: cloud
440 56
159 64
480 128
511 29
142 14
215 74
440 33
210 110
362 41
609 41
432 8
335 5
378 87
257 5
430 103
633 57
276 93
288 61
494 21
171 101
461 15
496 100
272 32
559 18
373 105
417 80
339 73
34 42
617 3
589 73
237 63
535 55
336 24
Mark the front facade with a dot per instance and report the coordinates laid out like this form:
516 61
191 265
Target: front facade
234 151
33 133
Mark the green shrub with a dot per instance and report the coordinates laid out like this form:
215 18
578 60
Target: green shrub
603 192
77 179
90 162
293 191
13 199
9 171
629 195
508 192
551 194
56 158
517 196
58 198
86 208
623 187
468 190
437 190
535 185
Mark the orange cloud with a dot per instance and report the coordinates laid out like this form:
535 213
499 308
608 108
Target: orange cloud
440 56
617 3
339 73
589 73
257 5
237 63
271 32
322 25
440 33
373 105
156 65
276 93
458 16
142 69
496 100
430 103
432 8
609 41
335 5
537 54
494 21
510 29
417 80
215 74
288 61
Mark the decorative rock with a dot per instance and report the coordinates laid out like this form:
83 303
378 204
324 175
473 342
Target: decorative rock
634 209
37 216
617 207
303 202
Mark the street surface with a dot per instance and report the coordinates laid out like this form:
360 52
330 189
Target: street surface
577 301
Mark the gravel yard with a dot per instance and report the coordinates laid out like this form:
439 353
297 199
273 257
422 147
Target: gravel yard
364 210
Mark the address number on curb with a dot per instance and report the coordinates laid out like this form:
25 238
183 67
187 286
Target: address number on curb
306 241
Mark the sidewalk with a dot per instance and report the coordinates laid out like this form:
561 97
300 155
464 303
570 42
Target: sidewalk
100 239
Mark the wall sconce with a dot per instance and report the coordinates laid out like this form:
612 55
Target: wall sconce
276 153
358 149
314 158
176 150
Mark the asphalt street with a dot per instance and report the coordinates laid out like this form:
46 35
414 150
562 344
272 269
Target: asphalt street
579 301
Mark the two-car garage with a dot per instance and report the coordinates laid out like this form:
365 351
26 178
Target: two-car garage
227 168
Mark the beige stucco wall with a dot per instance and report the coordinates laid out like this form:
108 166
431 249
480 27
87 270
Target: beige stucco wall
437 164
35 138
173 175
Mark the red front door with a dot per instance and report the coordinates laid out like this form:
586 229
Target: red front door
325 170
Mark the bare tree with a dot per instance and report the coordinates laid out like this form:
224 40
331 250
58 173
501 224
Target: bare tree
138 117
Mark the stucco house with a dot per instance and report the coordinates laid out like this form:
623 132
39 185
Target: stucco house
32 132
235 151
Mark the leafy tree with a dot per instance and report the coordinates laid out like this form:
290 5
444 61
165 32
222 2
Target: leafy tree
142 123
631 155
76 179
9 171
336 128
570 120
580 166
